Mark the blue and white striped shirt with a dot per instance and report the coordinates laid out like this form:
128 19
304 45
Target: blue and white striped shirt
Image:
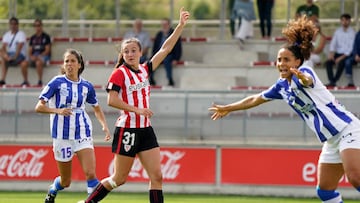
61 92
316 105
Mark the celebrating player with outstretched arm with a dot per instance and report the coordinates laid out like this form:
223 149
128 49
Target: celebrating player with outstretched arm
301 88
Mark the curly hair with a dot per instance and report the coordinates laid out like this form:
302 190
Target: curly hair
299 34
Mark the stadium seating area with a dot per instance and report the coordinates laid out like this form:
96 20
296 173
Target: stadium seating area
219 63
210 71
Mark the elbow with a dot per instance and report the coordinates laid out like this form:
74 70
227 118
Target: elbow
37 109
108 102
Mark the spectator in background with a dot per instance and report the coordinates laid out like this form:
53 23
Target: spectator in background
233 18
39 49
245 9
265 10
309 9
319 41
173 57
340 49
353 60
13 51
142 36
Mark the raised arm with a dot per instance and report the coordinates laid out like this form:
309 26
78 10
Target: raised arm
246 103
171 40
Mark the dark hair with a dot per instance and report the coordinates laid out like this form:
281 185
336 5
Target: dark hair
78 56
299 34
14 19
38 20
120 49
346 16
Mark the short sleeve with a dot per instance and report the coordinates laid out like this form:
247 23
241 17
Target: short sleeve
91 96
49 90
116 80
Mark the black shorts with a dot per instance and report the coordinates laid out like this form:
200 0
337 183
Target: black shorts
130 141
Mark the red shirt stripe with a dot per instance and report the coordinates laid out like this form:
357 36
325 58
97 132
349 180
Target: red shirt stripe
134 90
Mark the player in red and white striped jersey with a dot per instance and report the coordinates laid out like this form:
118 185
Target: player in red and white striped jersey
129 91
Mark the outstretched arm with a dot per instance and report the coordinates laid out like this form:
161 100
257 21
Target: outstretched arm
246 103
171 40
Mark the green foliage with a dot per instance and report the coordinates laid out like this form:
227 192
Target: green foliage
154 9
202 10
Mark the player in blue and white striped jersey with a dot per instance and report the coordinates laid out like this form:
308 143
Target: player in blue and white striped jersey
70 125
300 87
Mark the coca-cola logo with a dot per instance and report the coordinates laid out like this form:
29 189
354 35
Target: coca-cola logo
170 167
24 163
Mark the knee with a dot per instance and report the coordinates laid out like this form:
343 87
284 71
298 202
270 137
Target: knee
354 178
156 178
117 179
115 182
39 63
24 64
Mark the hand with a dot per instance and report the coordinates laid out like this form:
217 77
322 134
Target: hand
145 112
219 111
107 133
65 111
295 71
357 58
337 60
304 80
33 57
184 16
7 57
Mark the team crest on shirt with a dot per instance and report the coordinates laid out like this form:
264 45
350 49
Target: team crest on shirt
127 147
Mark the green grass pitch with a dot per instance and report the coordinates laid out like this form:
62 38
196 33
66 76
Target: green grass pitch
118 197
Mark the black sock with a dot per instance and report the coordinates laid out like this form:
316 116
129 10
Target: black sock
156 196
98 194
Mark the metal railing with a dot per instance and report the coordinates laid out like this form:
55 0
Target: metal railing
180 116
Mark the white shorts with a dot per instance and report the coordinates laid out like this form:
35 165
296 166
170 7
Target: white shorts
349 138
64 150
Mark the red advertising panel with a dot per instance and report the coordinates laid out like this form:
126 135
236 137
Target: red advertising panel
270 166
179 164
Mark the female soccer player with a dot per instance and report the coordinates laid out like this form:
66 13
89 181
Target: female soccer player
129 91
70 125
301 88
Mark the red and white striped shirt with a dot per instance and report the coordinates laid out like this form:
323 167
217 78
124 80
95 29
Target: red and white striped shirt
134 89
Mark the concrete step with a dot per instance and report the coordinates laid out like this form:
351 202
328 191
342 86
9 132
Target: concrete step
192 50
